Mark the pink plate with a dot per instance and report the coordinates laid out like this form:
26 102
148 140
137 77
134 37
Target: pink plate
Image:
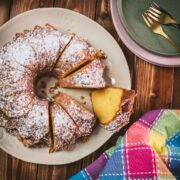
168 61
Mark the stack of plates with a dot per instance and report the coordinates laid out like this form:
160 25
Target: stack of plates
128 21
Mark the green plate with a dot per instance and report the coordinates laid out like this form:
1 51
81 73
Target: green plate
130 13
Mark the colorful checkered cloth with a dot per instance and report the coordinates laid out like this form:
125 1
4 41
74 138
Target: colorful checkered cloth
150 149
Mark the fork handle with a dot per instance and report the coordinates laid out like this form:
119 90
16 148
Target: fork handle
175 23
172 41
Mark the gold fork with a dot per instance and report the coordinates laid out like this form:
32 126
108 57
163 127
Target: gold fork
157 29
161 16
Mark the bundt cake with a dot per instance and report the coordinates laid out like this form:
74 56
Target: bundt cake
113 106
92 75
76 64
84 119
36 121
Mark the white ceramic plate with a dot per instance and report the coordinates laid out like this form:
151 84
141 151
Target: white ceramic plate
66 20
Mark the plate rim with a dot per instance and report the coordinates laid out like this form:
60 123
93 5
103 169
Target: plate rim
125 62
132 35
164 61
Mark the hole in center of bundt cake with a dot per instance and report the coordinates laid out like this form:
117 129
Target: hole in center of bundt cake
45 86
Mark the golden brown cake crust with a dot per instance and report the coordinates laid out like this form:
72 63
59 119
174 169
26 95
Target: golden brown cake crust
63 128
77 53
84 119
122 116
35 125
89 76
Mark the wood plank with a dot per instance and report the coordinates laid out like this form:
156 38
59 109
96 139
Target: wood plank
4 10
20 6
84 7
3 166
154 86
176 91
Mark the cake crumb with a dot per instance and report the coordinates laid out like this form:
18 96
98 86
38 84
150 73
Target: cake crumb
82 97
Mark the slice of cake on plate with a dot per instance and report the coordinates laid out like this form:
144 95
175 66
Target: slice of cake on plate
76 54
83 118
113 107
35 125
47 42
91 75
63 129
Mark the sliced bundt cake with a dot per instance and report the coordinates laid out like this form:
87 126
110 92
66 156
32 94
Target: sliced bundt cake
77 53
33 127
113 106
83 118
63 128
91 75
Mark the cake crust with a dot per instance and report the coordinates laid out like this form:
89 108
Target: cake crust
121 115
83 118
89 76
35 125
77 53
63 128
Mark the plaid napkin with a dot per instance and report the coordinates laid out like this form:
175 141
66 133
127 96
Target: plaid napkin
150 149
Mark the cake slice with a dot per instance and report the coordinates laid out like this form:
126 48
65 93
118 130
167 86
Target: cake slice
91 75
47 42
17 104
76 54
113 107
84 119
63 128
35 125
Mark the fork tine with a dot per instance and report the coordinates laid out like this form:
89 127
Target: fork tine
150 14
156 5
153 13
155 10
146 21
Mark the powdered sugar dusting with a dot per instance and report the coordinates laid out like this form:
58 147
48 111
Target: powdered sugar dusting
64 128
120 121
90 76
21 52
77 53
18 104
35 125
82 117
48 44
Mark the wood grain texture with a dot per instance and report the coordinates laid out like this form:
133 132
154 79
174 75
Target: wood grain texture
176 90
84 7
154 86
157 87
5 6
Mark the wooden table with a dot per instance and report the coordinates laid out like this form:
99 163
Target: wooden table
157 87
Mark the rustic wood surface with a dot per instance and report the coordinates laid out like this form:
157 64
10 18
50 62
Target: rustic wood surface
157 87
